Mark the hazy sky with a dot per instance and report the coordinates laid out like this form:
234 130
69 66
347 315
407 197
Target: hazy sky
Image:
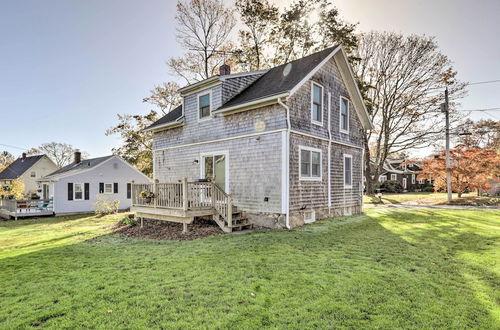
68 67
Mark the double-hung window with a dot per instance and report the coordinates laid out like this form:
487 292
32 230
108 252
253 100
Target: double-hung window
316 104
413 179
204 106
347 171
394 177
78 191
310 163
344 115
108 188
382 178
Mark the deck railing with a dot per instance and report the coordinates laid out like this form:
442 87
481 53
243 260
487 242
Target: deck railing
185 195
25 205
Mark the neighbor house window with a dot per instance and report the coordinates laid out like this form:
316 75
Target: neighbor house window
382 178
394 177
204 105
344 115
310 163
413 179
316 104
108 188
421 181
33 174
78 191
347 171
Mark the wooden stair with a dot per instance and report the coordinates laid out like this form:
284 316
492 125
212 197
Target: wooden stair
239 222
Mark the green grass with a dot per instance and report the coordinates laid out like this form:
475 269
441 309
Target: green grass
427 198
391 268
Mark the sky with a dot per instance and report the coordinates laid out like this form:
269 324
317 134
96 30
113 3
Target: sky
67 68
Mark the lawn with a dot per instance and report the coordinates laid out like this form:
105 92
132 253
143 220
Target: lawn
391 268
427 198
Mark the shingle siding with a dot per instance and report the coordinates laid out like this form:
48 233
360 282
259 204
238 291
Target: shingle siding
254 169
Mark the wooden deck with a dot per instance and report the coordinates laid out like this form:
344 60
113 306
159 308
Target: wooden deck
11 208
183 201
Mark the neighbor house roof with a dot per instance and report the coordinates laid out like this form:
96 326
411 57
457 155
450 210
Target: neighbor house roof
18 167
280 81
83 165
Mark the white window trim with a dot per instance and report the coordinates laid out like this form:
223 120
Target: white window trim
74 192
395 176
348 114
313 216
209 92
413 179
224 153
311 178
315 122
380 178
421 181
112 189
405 183
343 171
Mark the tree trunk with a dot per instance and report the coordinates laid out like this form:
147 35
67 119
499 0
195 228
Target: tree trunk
459 194
370 186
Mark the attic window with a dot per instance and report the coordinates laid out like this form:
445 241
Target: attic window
33 174
204 105
316 104
344 115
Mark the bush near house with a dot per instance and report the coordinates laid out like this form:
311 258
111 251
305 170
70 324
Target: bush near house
392 186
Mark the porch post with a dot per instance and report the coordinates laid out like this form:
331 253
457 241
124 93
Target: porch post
229 211
155 191
184 194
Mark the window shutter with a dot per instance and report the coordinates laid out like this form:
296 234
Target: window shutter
129 190
115 188
101 187
70 191
86 191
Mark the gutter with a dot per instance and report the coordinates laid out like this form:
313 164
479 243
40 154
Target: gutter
287 164
175 123
255 102
329 153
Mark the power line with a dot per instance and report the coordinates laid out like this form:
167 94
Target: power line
484 82
9 146
487 109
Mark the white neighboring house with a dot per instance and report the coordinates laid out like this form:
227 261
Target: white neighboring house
75 187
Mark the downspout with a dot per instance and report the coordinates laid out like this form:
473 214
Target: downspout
287 165
329 154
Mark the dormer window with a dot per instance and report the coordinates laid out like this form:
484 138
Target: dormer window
344 115
204 105
316 104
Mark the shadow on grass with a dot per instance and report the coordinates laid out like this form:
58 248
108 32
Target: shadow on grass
348 272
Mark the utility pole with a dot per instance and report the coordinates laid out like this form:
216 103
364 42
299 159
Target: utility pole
448 165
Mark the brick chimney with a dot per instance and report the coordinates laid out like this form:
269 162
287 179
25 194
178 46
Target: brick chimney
24 155
78 156
224 70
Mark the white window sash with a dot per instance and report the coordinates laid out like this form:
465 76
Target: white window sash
342 130
316 122
309 177
347 185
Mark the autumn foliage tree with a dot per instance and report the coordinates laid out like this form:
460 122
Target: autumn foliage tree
471 169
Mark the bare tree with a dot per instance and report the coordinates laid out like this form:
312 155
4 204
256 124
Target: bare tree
165 97
5 159
404 80
61 153
203 30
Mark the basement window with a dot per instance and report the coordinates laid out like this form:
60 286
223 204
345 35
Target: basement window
309 217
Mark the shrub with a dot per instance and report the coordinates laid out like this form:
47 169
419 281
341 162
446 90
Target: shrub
129 220
392 186
105 206
428 189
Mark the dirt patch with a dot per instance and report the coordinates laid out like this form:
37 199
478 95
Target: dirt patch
164 230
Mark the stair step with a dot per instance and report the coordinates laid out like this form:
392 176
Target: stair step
242 227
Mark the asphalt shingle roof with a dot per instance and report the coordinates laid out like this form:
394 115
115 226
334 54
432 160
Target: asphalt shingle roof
84 164
18 167
274 82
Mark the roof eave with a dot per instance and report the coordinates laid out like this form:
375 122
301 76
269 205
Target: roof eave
252 104
177 123
210 82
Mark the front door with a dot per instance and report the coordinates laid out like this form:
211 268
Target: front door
45 191
214 168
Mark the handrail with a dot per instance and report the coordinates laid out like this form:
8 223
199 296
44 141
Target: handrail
185 195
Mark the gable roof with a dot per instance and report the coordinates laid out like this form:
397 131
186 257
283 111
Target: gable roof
83 165
170 118
19 167
277 80
284 80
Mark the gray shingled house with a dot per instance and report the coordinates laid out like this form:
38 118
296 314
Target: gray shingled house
278 148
